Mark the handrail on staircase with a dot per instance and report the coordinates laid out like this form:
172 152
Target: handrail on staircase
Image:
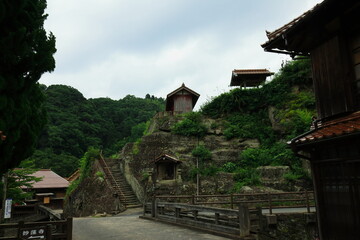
109 174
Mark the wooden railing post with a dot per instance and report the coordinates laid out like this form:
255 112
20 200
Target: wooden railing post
307 201
217 216
270 203
193 199
195 213
153 207
177 212
48 232
20 226
69 228
232 201
156 207
244 221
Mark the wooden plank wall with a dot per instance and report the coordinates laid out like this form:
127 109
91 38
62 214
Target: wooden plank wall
355 47
333 77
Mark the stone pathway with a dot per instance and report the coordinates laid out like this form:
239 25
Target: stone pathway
129 226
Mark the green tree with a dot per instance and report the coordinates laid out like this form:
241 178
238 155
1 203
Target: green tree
19 178
26 52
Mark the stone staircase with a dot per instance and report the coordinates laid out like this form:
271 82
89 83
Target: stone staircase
119 183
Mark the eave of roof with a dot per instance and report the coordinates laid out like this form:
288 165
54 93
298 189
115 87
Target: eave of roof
252 72
183 87
252 77
340 127
311 22
166 157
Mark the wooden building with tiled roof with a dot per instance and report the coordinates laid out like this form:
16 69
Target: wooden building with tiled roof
330 35
249 77
181 100
50 190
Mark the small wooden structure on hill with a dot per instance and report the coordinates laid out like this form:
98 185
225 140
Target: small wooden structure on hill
330 35
249 77
167 168
50 191
181 100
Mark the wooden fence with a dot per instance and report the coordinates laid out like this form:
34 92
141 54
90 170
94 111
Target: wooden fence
270 201
21 212
226 222
61 230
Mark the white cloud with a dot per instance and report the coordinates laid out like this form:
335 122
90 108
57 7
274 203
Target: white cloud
112 48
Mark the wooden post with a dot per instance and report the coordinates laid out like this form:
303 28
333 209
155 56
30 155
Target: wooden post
193 199
69 228
195 213
20 226
153 207
232 201
177 212
307 201
217 216
244 221
48 232
270 203
156 207
259 215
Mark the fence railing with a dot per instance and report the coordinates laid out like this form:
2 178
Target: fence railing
270 201
226 221
61 230
33 209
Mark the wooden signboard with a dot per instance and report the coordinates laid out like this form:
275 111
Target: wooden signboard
33 233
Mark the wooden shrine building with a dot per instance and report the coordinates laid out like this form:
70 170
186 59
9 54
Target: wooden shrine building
167 168
330 34
249 77
181 100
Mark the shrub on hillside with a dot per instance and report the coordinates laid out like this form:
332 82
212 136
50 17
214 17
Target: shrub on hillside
190 126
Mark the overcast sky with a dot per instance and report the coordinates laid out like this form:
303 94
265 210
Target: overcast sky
112 48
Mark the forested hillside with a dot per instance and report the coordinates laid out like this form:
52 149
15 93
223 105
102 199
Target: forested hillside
76 123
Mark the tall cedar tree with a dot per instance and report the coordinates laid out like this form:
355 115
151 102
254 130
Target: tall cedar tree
26 52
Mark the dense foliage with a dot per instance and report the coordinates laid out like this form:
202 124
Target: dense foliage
76 123
190 126
246 112
26 52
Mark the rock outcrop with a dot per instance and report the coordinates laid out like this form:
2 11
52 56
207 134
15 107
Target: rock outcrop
137 158
93 195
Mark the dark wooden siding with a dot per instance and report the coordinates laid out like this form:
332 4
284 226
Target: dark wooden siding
355 48
333 76
338 196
